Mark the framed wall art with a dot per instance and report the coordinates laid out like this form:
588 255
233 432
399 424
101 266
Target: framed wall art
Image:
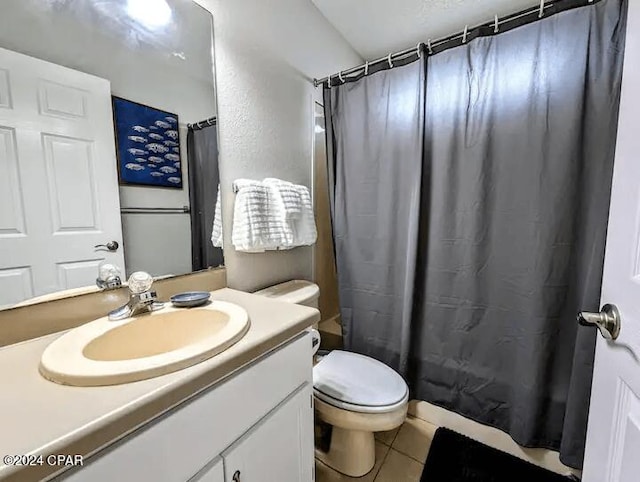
147 145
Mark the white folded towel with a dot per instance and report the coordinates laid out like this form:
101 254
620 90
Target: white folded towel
270 215
258 223
304 228
292 203
216 232
290 196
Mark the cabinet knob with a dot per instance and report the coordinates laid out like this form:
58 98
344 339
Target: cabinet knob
236 476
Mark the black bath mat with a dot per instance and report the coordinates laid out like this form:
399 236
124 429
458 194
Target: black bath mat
456 458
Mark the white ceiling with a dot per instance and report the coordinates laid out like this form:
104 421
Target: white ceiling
375 28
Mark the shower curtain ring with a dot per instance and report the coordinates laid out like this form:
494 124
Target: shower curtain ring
366 68
419 50
541 13
464 34
429 47
340 77
496 28
389 60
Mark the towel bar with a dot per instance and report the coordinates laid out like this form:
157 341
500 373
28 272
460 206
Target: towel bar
182 210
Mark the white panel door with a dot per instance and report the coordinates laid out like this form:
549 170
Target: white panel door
613 437
279 447
59 184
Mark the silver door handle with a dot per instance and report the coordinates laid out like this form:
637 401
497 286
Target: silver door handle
607 321
111 246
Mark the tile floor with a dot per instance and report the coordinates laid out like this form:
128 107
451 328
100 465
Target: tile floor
400 455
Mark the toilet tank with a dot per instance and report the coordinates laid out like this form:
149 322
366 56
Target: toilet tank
299 292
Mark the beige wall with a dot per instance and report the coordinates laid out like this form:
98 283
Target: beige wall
266 55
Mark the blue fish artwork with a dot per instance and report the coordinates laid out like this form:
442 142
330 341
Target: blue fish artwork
147 145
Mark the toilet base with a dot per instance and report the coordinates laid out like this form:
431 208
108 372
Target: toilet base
352 452
352 447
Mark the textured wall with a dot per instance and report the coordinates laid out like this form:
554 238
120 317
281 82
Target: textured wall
266 56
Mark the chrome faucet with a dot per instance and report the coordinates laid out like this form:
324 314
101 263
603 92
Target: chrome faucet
141 298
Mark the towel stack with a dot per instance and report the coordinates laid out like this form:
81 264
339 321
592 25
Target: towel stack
269 215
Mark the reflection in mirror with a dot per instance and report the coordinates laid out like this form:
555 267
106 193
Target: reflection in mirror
204 192
108 143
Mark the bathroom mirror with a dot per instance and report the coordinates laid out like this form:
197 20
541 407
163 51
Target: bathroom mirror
108 142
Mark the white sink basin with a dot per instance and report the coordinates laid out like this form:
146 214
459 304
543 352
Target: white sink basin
105 352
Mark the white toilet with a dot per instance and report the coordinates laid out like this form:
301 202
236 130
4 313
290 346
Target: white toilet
355 394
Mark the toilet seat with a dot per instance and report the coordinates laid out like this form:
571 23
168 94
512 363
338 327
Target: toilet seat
358 383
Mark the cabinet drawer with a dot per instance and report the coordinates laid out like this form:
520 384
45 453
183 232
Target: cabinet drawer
175 446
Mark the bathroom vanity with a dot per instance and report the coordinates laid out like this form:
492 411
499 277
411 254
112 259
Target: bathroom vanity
245 414
256 425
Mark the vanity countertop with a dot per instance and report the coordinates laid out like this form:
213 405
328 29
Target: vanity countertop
40 417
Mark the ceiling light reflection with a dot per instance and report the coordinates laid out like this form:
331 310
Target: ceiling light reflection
150 13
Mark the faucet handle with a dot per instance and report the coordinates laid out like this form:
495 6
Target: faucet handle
139 282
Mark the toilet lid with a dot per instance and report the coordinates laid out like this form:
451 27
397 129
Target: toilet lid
358 380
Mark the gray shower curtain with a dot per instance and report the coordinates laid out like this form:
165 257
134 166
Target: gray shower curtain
378 161
513 145
204 177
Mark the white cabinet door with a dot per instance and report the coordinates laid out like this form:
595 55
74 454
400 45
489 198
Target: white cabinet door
613 435
279 447
213 472
59 184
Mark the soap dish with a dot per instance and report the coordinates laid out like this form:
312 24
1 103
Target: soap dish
190 299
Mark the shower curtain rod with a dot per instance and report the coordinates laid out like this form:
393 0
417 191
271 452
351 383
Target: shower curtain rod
466 35
211 121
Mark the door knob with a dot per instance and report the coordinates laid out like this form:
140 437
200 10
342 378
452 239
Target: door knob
607 321
111 246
